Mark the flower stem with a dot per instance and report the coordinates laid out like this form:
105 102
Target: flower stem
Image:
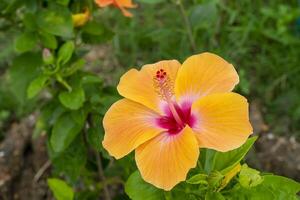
187 25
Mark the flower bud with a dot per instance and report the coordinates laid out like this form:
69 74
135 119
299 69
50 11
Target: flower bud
81 19
48 58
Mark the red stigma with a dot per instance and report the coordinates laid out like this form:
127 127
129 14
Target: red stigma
161 74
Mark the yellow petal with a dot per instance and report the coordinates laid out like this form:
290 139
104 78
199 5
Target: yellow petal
204 74
138 86
222 121
165 160
127 125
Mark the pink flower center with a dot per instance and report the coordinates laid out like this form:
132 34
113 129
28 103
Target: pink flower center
170 123
177 117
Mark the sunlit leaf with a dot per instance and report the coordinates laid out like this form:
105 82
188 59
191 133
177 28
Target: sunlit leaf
61 190
36 86
249 177
74 99
65 52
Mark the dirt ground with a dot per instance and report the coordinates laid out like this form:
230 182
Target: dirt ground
24 164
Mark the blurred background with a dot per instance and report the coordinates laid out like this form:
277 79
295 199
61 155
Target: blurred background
260 38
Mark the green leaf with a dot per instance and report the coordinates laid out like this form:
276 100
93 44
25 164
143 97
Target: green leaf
214 179
183 192
198 179
48 40
74 99
75 66
207 159
249 177
283 185
214 196
72 161
64 131
25 42
36 86
60 189
56 21
24 69
137 189
29 22
91 79
224 162
65 52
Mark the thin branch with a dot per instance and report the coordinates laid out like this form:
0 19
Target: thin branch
102 176
41 171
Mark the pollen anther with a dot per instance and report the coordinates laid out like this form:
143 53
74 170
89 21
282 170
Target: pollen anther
163 85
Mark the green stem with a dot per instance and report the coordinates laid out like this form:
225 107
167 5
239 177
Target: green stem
63 82
187 25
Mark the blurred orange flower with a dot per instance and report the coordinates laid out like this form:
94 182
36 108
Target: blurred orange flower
170 110
121 4
81 19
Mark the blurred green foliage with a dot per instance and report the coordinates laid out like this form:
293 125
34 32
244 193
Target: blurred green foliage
43 69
